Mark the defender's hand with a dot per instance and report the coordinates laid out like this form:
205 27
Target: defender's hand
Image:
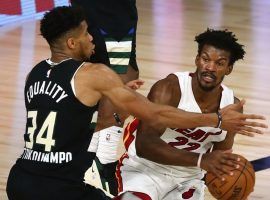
236 122
135 84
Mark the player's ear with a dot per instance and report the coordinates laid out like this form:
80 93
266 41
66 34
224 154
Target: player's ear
197 60
229 69
71 43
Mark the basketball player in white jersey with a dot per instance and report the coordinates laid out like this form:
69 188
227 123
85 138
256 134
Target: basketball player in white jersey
168 163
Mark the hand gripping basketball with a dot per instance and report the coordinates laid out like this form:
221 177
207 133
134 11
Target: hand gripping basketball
236 187
220 163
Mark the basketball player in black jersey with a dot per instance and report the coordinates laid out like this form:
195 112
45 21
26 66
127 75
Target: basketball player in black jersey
113 25
61 94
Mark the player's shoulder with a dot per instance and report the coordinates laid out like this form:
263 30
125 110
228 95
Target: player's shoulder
96 69
166 90
95 66
98 74
169 83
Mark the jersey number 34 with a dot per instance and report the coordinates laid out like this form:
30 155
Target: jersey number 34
45 134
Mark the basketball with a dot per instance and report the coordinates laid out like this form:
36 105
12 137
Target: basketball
236 187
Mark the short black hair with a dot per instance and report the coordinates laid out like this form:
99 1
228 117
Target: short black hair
59 21
221 39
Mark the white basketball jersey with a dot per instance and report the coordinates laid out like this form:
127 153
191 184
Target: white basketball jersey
198 140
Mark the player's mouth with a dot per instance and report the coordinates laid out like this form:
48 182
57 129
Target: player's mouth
208 77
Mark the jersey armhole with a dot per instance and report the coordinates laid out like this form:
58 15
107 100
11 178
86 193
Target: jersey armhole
72 82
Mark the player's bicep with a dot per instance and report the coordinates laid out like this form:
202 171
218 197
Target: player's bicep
111 86
164 92
107 83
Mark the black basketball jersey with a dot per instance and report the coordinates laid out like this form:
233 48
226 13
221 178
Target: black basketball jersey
58 131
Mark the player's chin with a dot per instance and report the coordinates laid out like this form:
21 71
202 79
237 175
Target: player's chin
91 52
207 86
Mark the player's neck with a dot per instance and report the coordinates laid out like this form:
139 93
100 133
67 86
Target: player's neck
58 57
207 100
202 93
60 53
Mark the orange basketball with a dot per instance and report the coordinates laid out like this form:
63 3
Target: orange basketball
236 187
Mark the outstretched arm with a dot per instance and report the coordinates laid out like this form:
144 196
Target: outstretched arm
108 84
103 81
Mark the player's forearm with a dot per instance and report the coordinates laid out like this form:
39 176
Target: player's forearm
226 144
168 116
156 150
172 117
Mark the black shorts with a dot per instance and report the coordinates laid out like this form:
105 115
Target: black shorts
21 186
113 26
105 47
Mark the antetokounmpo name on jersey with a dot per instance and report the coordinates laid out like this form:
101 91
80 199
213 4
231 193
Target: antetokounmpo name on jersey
50 157
53 90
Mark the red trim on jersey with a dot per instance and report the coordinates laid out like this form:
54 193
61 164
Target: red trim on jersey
118 172
128 132
42 5
8 8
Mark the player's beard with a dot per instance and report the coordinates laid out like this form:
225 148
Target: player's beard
208 88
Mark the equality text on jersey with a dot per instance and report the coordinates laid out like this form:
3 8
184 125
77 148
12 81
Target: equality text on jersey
53 90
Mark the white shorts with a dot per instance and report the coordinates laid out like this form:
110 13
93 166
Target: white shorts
160 186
